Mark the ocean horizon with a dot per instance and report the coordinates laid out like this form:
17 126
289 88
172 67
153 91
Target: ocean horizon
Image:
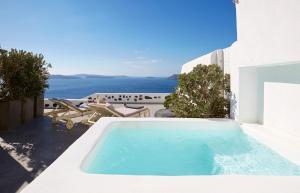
74 87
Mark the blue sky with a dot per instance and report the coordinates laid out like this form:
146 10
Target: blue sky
114 37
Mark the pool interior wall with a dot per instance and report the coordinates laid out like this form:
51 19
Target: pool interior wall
181 149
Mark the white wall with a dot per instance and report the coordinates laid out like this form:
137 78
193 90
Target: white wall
226 60
131 98
268 32
276 74
248 99
215 57
267 50
251 88
267 36
282 107
187 67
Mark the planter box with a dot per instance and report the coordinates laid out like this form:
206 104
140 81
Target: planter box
27 110
10 115
13 114
39 106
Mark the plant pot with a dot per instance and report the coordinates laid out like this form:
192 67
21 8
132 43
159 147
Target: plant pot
10 115
39 106
27 110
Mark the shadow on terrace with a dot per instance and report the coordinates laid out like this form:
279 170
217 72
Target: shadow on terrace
27 151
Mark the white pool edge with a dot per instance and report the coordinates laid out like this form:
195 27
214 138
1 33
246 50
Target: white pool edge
285 145
65 174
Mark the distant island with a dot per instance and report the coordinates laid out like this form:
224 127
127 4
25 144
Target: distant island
57 76
174 77
79 76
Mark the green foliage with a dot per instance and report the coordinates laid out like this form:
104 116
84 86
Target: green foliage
22 74
202 93
168 100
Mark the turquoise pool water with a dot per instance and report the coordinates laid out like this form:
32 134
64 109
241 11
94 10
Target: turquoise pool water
183 149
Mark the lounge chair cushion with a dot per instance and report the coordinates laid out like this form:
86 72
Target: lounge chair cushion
83 106
125 111
133 106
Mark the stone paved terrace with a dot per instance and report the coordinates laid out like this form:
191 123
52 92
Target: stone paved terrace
27 151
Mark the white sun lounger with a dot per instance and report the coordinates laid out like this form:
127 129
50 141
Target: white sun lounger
67 111
107 110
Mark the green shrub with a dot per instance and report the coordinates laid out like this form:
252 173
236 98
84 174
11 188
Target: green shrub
23 74
202 93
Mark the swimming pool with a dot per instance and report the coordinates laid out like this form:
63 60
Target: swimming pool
146 155
175 149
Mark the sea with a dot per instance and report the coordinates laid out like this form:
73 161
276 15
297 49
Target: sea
74 88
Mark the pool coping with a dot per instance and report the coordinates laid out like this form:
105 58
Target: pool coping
65 174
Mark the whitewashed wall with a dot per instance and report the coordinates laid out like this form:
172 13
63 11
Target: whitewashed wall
251 88
282 107
267 32
268 36
215 57
187 67
226 60
248 100
131 98
267 50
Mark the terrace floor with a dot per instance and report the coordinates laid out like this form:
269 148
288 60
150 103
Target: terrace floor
29 150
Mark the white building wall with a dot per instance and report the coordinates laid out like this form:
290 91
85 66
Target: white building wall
268 36
226 60
288 74
187 67
215 57
282 107
248 99
268 31
267 50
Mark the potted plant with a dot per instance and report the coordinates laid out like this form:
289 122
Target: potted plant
36 70
23 77
10 106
